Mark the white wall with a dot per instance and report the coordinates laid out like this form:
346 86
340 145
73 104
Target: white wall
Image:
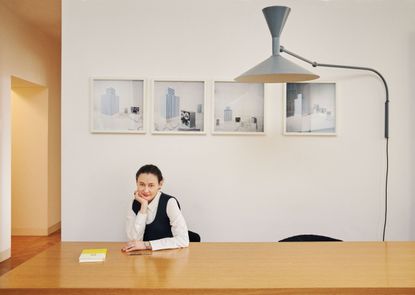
243 188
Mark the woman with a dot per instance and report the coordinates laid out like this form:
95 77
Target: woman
154 221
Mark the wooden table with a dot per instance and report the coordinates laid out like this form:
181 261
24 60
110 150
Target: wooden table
222 268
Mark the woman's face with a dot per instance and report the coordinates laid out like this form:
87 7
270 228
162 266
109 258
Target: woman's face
148 186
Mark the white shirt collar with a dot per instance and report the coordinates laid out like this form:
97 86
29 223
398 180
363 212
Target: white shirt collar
154 203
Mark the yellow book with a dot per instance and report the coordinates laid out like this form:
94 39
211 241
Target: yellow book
93 255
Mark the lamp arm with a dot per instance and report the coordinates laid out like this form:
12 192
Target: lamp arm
316 64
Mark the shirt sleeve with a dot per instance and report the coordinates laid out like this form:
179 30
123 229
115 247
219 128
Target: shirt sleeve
135 225
179 230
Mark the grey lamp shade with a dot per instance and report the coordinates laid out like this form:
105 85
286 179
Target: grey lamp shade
276 69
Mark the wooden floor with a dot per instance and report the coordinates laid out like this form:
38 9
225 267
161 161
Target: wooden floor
25 247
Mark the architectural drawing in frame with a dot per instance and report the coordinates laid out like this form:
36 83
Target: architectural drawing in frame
310 109
117 105
178 107
238 108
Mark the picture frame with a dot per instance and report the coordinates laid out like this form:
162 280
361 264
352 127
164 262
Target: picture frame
118 105
310 108
178 106
238 108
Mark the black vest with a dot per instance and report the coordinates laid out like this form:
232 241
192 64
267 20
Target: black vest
160 227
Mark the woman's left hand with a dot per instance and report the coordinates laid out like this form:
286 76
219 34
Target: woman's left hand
134 245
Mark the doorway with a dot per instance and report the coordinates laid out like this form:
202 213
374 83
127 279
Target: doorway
29 104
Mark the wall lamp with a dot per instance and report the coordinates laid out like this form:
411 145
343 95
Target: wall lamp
277 69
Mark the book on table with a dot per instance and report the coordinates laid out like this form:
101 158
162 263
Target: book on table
93 255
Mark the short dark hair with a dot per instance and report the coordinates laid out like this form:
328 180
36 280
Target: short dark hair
149 169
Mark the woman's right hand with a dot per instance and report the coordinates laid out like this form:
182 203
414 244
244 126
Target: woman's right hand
142 201
134 245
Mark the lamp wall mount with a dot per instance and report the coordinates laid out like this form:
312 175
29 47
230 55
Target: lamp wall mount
316 64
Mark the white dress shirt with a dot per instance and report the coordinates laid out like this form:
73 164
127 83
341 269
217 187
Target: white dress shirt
136 225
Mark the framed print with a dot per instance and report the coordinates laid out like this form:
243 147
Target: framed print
238 108
117 105
178 107
310 109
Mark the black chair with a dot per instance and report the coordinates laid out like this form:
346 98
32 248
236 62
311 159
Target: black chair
193 237
309 238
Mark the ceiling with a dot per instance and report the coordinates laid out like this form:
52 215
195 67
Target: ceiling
44 15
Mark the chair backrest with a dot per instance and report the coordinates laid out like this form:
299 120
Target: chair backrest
309 238
193 237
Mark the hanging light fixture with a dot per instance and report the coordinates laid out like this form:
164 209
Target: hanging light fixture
276 69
